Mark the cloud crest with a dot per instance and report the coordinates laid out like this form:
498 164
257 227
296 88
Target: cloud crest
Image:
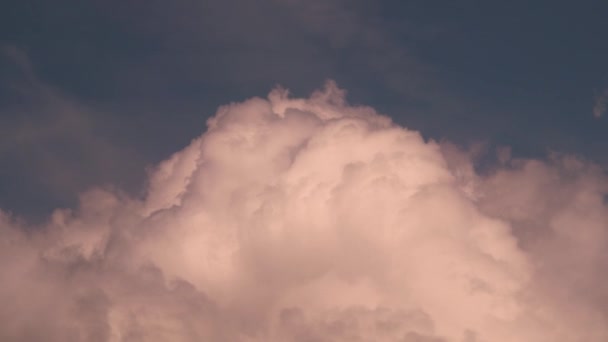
314 220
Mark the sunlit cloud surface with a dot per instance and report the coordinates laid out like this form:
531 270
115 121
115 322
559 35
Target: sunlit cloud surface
308 219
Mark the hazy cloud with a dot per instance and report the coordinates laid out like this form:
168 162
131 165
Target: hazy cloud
51 140
272 41
599 106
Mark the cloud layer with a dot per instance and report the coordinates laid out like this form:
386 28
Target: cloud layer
314 220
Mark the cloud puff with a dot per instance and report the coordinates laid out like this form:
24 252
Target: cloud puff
314 220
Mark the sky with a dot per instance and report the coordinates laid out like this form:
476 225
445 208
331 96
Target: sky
94 92
273 170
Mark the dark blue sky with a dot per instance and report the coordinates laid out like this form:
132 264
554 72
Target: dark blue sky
93 92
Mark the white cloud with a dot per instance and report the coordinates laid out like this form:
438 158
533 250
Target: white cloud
313 220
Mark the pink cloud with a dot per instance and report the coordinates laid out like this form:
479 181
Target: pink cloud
314 220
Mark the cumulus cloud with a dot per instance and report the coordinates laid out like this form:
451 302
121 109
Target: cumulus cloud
314 220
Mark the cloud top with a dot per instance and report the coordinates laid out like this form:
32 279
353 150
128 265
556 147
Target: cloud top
315 220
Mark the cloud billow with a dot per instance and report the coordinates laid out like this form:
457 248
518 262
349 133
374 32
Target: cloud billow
314 220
